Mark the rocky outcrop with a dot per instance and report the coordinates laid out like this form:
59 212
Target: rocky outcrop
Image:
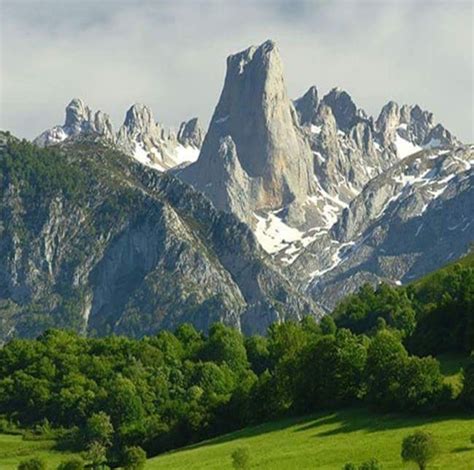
413 125
409 220
139 137
79 120
255 112
190 133
307 107
343 108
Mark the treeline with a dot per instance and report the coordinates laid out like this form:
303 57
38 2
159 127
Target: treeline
115 395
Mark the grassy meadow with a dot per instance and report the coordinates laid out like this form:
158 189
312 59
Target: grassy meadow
13 449
324 441
327 441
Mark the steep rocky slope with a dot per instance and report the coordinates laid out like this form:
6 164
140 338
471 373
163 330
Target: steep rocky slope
405 223
290 169
91 240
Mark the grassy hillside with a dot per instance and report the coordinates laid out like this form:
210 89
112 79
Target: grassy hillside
327 441
13 449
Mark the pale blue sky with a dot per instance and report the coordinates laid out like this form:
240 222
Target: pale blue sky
171 55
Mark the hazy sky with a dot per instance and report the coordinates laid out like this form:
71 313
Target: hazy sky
171 55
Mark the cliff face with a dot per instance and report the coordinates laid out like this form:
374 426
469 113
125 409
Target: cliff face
254 140
96 242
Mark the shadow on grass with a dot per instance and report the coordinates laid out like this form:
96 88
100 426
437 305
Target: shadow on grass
458 450
344 421
371 422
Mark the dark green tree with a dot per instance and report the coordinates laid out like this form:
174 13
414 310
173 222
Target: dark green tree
467 394
134 458
99 429
327 325
420 448
258 353
386 358
226 345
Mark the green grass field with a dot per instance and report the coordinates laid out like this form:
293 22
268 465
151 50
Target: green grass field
327 441
13 449
321 441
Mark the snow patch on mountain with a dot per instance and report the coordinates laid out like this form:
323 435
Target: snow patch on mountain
187 154
404 147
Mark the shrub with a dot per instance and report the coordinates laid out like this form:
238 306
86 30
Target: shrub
72 464
241 458
420 448
32 464
96 454
134 458
371 464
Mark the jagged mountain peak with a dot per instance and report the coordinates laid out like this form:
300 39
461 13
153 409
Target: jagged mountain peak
76 113
342 106
413 125
191 133
307 106
139 137
80 119
262 54
139 117
254 109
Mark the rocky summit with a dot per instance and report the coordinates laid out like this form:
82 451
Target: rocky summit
277 211
140 136
254 156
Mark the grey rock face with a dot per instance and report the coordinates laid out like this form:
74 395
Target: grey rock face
307 107
406 222
343 108
254 110
79 120
388 121
412 124
190 133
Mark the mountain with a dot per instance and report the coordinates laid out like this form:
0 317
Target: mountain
139 136
320 213
79 120
151 144
294 204
93 241
254 156
406 222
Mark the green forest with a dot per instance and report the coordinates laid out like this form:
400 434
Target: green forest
117 399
